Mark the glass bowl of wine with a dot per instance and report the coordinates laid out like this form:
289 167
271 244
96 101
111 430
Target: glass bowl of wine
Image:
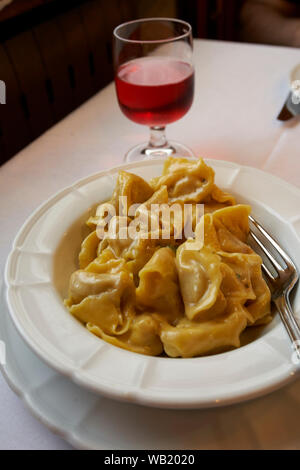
154 78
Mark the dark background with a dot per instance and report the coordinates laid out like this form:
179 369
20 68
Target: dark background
54 55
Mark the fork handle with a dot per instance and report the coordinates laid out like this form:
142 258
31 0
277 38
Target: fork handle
288 319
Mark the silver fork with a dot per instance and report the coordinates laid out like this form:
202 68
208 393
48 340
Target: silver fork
280 283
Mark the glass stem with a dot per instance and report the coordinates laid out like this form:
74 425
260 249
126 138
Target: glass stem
158 137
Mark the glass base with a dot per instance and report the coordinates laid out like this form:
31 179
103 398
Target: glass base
145 152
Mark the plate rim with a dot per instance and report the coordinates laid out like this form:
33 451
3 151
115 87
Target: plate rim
139 396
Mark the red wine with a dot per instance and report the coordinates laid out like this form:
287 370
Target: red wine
155 90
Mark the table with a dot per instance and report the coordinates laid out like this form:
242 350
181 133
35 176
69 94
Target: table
240 89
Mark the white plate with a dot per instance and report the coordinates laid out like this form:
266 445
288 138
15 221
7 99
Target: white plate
37 275
89 421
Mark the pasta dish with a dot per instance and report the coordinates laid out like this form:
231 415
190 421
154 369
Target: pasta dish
184 286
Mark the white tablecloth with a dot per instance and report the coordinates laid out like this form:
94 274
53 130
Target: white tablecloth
239 91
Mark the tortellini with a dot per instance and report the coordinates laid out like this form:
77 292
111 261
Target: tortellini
157 290
186 180
189 339
104 300
200 278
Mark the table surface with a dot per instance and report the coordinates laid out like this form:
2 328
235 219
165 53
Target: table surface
240 89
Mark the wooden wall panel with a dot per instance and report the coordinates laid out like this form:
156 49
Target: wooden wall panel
129 10
15 129
53 52
76 45
231 19
202 19
217 19
111 10
26 60
94 22
56 64
17 7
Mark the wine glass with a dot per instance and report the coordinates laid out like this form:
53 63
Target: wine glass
154 78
